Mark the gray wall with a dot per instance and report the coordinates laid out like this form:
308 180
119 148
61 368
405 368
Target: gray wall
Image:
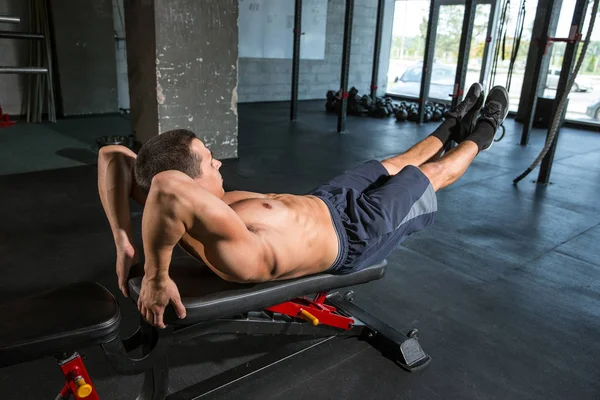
269 79
121 54
85 56
13 53
259 79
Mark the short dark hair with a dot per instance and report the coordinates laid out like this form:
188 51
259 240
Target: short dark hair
168 151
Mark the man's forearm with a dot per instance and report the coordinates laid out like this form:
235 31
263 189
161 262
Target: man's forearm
114 186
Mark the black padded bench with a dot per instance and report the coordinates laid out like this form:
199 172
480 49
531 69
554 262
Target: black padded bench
43 326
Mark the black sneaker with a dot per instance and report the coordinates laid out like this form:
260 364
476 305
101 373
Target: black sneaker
496 107
495 110
473 97
472 103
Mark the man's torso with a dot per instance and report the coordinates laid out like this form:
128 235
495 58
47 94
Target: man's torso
296 231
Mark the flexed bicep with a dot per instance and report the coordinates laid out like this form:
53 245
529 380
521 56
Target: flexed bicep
230 247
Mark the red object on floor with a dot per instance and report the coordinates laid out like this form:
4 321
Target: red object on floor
4 121
314 312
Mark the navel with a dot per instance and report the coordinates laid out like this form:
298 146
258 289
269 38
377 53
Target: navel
267 206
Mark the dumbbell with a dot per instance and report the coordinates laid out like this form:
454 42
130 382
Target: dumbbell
401 114
381 111
390 108
438 113
330 103
366 101
413 113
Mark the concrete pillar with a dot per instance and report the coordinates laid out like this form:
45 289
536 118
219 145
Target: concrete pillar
182 64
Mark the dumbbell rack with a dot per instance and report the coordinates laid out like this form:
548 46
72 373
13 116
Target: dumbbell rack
40 55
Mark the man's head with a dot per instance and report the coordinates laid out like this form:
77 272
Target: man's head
178 150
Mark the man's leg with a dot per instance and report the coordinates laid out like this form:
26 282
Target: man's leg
455 162
451 165
416 155
431 147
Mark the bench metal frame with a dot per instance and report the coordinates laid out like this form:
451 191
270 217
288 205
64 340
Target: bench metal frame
404 350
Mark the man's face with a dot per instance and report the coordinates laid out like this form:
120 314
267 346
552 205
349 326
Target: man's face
210 178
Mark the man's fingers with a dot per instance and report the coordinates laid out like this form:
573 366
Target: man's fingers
124 289
158 319
148 316
144 312
179 308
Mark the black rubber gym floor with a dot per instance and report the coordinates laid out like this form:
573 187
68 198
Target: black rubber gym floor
504 288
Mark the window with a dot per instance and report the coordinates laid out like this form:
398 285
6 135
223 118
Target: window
584 99
501 75
408 47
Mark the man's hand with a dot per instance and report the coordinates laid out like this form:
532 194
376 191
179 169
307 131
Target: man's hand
155 295
127 255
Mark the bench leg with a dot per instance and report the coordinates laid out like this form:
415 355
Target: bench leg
404 350
156 380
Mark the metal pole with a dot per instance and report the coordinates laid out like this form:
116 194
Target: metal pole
341 125
5 19
377 49
23 70
567 68
19 35
434 13
463 52
537 49
296 59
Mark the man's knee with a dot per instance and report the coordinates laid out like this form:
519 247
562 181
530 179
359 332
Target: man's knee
435 172
395 164
390 166
433 168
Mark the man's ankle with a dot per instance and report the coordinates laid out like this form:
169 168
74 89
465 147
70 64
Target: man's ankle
483 134
445 129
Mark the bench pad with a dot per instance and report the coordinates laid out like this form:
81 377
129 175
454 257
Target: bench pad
207 297
56 321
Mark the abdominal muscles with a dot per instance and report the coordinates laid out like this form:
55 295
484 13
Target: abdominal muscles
296 231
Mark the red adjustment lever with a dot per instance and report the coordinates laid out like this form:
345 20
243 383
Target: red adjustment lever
314 312
78 383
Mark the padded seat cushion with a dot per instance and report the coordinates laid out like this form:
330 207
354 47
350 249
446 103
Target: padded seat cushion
56 321
207 297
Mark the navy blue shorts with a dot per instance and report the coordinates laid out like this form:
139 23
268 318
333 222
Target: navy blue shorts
374 212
